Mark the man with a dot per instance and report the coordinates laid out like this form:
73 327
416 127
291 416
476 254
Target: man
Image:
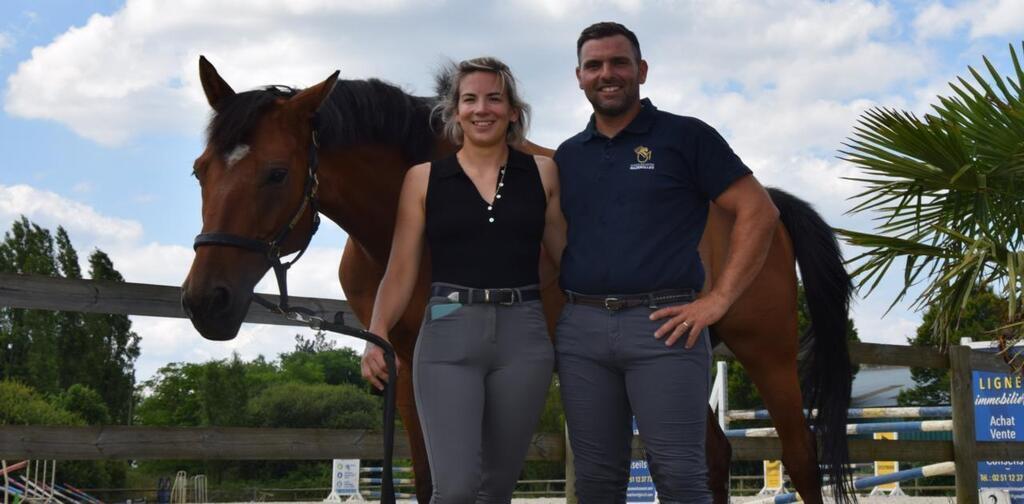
636 186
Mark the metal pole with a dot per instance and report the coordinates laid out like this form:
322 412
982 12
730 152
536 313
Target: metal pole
723 394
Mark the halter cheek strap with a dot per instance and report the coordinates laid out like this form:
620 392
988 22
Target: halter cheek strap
272 251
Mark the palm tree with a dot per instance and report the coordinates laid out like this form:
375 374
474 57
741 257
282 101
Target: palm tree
948 194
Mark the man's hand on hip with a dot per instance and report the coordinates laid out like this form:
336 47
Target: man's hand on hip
691 318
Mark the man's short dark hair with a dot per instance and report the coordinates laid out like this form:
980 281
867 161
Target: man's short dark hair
607 29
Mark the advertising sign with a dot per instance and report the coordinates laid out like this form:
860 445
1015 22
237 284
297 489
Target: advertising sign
999 416
344 480
641 485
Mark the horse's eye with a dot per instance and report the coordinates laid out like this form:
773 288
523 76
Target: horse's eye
277 175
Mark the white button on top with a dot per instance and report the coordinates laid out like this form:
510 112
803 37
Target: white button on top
490 208
491 219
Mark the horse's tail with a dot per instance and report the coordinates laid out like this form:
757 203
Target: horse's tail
826 372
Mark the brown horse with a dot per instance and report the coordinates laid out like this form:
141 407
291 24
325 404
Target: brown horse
253 172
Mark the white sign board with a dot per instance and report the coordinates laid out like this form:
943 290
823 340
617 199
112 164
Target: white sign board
344 481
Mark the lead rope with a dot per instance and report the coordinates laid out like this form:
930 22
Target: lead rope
309 318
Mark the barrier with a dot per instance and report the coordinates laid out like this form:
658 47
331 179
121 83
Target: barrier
940 469
858 413
179 492
853 429
773 470
371 476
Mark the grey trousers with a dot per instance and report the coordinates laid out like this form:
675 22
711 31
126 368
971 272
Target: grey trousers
610 367
480 374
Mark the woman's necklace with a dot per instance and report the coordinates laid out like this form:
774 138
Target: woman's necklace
497 193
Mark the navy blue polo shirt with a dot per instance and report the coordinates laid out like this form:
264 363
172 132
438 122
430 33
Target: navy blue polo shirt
636 204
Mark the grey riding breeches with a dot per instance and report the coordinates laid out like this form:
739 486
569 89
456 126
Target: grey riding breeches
481 374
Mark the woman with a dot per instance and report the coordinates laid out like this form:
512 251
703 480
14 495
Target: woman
483 360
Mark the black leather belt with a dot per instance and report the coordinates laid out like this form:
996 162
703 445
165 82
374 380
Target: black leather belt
621 302
491 296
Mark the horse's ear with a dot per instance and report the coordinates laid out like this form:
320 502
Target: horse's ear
214 86
310 99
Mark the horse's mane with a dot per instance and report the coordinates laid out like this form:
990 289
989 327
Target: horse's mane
358 111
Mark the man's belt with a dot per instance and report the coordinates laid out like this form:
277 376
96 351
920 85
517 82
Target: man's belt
620 302
492 296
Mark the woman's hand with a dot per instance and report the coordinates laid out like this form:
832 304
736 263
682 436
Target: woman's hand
373 366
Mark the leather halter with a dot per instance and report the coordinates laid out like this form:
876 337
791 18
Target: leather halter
272 251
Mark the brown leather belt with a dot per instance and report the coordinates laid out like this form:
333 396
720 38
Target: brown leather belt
614 303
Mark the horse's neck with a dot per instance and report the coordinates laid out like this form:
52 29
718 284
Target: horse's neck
359 189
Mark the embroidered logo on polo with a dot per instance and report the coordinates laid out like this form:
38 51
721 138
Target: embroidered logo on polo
643 159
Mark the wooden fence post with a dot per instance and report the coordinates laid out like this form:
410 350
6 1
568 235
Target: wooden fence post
964 446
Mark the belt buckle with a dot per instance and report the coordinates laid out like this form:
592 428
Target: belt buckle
511 300
613 304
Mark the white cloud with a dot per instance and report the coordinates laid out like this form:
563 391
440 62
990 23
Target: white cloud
134 71
894 329
50 210
983 18
937 20
6 41
84 186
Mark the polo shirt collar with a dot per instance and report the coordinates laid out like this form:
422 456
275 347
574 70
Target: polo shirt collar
516 159
640 124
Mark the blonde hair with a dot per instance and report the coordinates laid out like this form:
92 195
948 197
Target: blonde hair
447 108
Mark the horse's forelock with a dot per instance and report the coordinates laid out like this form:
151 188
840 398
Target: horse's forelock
235 118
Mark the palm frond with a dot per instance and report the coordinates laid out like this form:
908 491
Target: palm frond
946 192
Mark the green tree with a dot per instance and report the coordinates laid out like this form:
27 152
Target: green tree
22 405
947 191
983 311
52 351
84 402
315 405
224 392
114 347
317 360
171 397
29 337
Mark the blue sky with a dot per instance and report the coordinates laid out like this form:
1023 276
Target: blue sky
102 114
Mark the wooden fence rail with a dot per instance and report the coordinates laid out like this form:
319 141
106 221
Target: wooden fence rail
96 296
119 442
123 298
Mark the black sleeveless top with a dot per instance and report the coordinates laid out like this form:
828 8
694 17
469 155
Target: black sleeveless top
479 245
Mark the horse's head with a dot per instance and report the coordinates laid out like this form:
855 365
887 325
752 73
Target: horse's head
258 185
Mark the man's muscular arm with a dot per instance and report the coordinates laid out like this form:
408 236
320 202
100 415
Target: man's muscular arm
756 218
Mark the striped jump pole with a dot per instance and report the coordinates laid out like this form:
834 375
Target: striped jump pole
376 470
903 412
865 428
398 495
940 469
397 481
